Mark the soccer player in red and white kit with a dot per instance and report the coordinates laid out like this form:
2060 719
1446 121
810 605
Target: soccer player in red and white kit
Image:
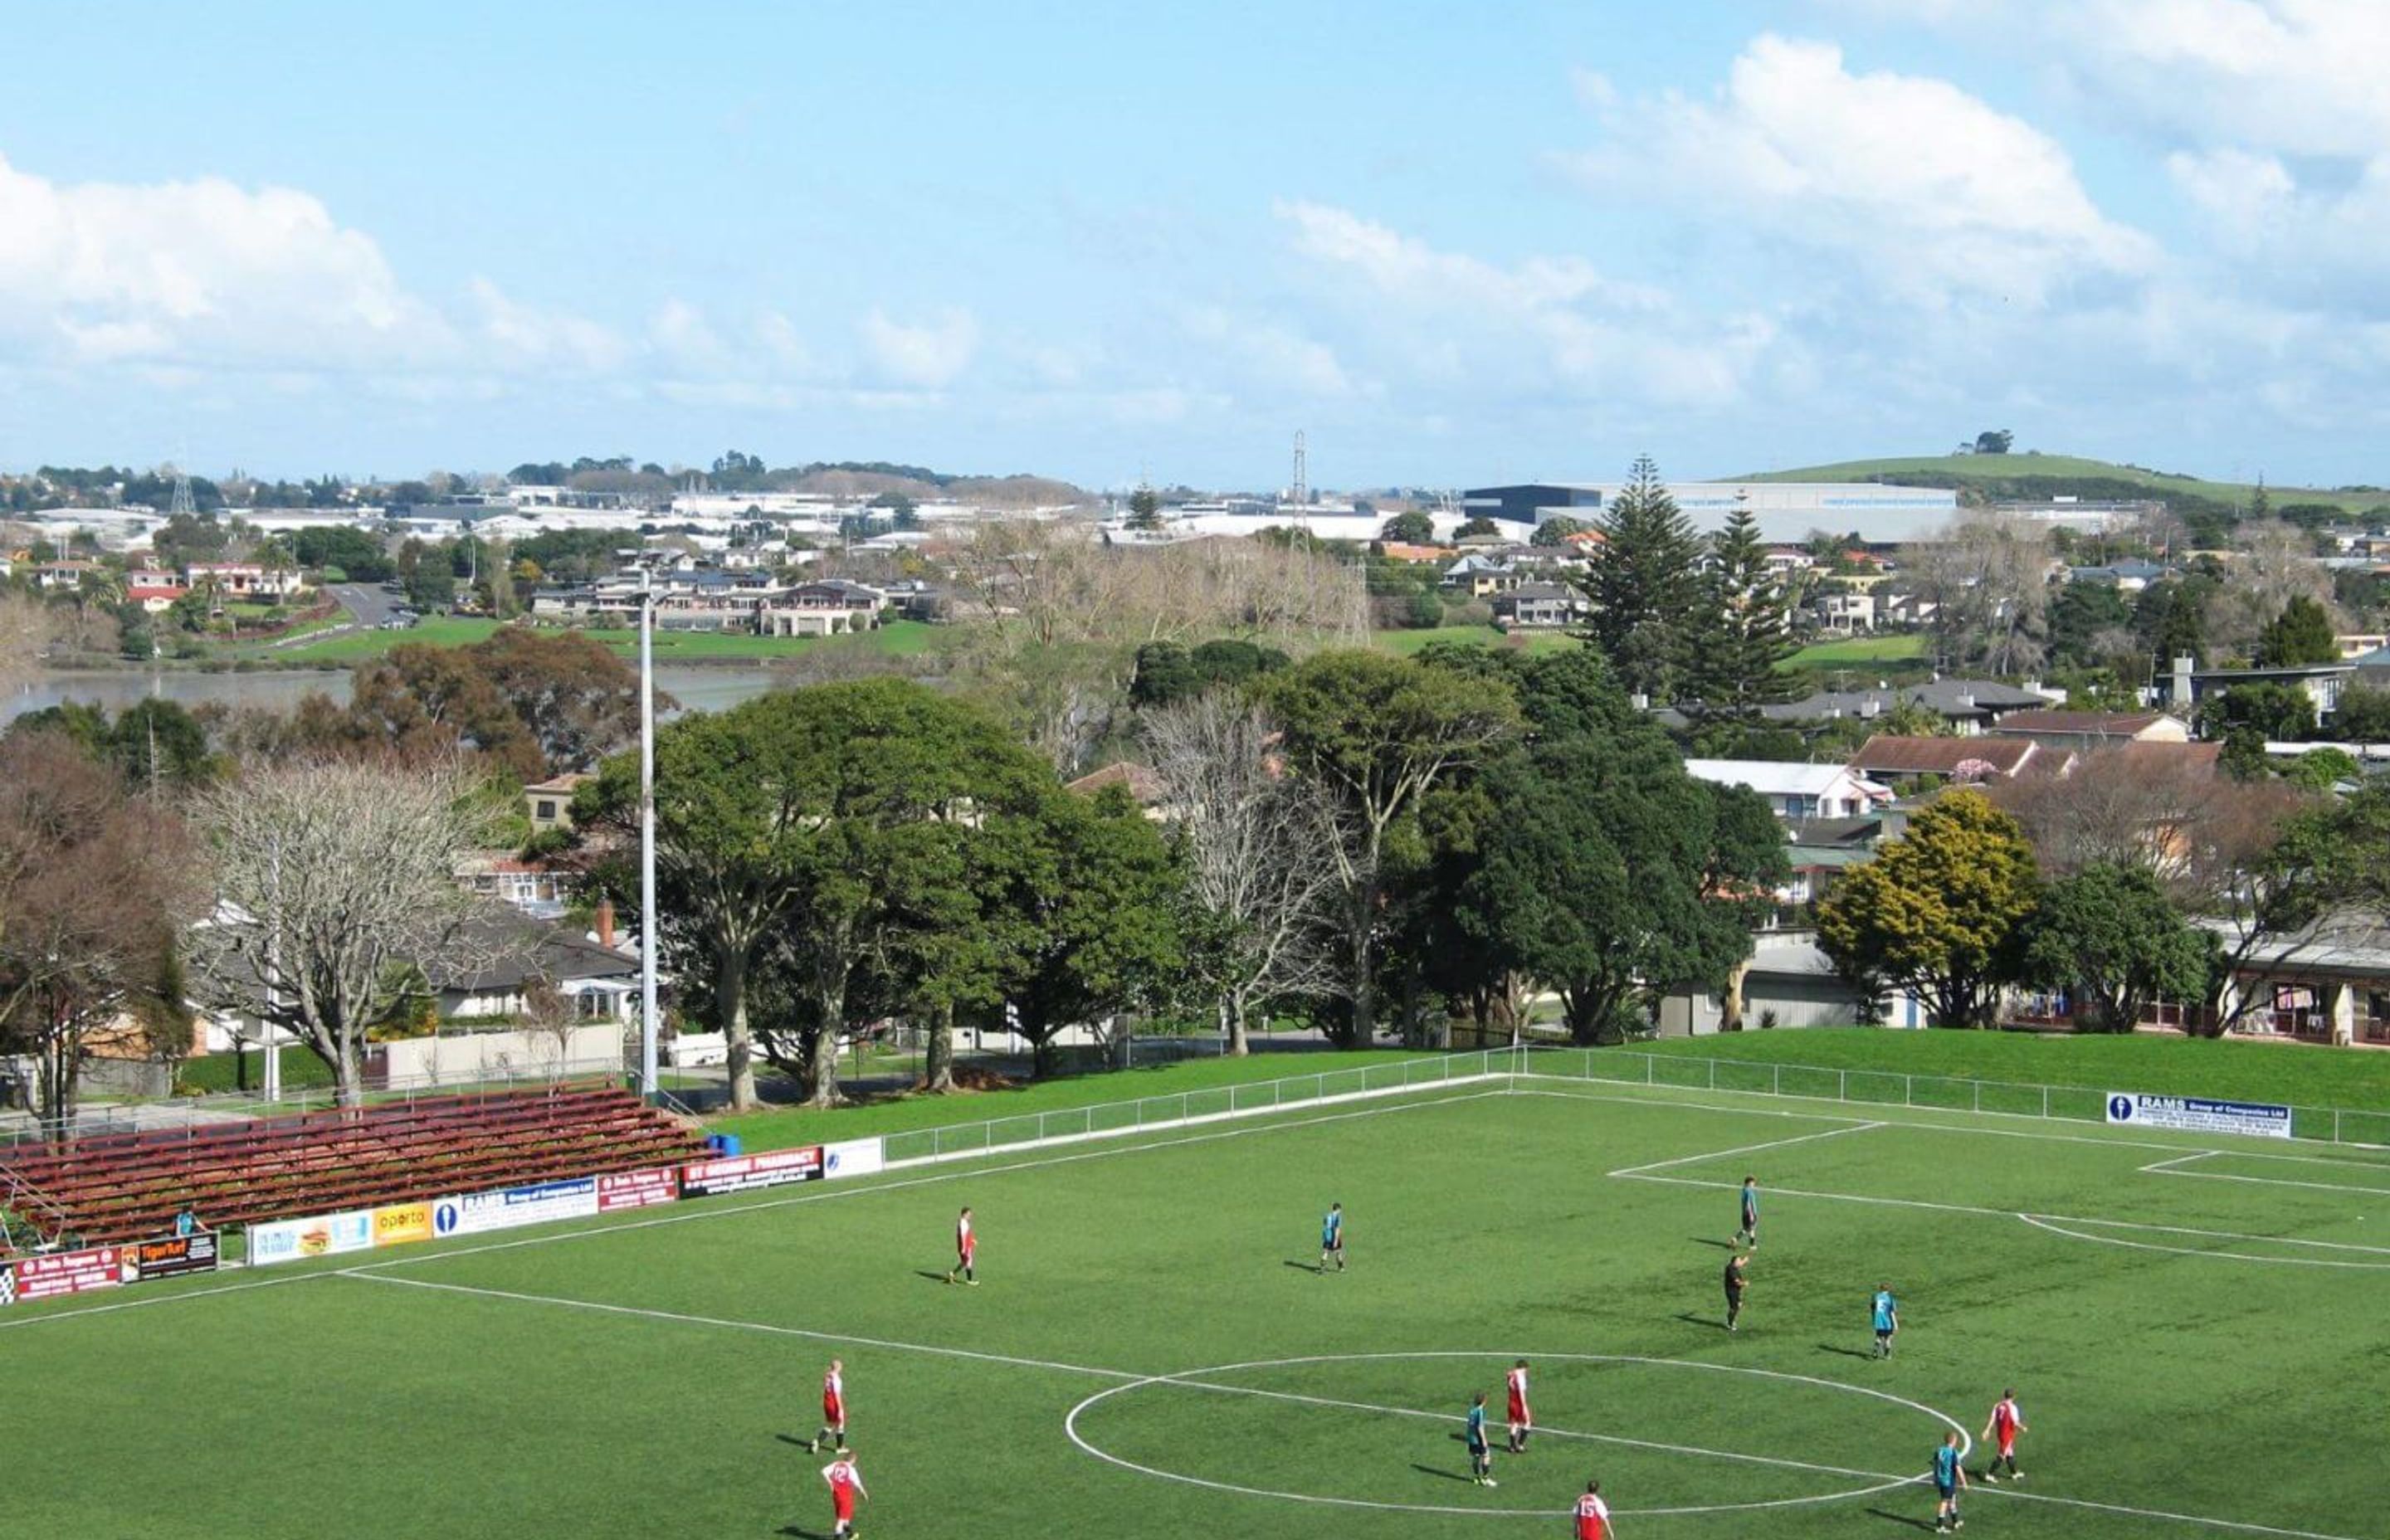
1522 1420
2006 1423
966 1250
845 1487
1592 1514
833 1409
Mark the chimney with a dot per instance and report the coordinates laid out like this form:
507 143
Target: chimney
2182 667
606 923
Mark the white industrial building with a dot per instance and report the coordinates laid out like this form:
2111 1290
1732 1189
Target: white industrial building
1788 511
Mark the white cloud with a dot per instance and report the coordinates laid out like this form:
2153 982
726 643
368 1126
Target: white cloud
524 334
2303 77
1938 196
1553 323
929 353
1280 355
105 272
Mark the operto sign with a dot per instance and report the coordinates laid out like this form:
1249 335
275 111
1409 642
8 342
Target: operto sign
745 1173
2199 1115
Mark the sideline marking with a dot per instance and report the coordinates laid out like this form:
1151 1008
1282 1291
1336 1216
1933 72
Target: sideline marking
1745 1149
2174 1168
2052 1224
959 1173
1188 1379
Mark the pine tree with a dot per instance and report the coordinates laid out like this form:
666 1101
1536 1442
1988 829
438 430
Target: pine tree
1747 612
1645 584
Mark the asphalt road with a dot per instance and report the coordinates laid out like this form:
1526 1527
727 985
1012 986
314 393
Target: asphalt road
366 602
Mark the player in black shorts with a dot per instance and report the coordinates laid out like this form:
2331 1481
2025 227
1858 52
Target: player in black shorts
1735 1284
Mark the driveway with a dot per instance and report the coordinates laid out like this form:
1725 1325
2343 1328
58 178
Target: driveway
366 603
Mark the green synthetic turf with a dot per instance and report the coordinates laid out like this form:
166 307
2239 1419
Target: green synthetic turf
2234 1387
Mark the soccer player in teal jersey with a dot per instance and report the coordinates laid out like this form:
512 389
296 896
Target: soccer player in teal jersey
1748 1236
1481 1458
1885 1311
1332 1238
1949 1479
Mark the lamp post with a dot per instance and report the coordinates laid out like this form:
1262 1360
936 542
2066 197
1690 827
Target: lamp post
647 835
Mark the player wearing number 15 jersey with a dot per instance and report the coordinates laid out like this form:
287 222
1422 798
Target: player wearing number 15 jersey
1592 1515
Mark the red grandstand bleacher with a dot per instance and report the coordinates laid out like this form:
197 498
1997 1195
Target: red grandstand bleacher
127 1187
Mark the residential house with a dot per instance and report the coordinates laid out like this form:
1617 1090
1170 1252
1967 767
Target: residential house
824 606
1796 791
2088 730
2127 577
1844 613
1964 706
154 599
1541 607
64 576
549 803
496 962
243 580
2354 644
1967 761
1396 550
535 887
2188 685
1139 781
1479 577
1788 981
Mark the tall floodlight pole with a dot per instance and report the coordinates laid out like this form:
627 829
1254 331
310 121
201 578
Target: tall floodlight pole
648 919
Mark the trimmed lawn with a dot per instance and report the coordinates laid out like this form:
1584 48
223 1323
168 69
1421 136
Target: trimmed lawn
775 1130
2302 1074
898 638
1858 649
1408 642
1153 1351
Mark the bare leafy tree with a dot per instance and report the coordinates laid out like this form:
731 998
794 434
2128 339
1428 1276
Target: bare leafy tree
336 892
2272 564
93 891
27 628
1988 579
1259 870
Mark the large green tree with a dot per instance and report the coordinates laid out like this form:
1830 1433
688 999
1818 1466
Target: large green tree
1377 733
810 833
2109 933
1940 913
2301 635
1645 583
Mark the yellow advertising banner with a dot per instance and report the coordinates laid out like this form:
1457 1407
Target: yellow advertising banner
401 1223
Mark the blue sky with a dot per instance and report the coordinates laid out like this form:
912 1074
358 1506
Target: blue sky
1453 243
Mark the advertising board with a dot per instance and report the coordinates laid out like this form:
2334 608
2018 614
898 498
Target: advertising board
56 1274
171 1258
637 1189
746 1173
854 1157
397 1224
2199 1114
323 1235
478 1213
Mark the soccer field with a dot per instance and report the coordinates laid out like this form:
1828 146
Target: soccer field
2192 1325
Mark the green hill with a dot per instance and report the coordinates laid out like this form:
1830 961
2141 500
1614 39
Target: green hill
2033 475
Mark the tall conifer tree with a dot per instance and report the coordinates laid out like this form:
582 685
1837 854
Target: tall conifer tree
1645 584
1748 609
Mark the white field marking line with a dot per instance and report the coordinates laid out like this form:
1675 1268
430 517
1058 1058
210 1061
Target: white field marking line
677 1317
1187 1380
2037 1220
860 1188
2287 1160
866 1186
2040 1221
2236 1525
1666 1098
1856 1127
2174 1168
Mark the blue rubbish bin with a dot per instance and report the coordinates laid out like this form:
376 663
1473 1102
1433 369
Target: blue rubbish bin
723 1145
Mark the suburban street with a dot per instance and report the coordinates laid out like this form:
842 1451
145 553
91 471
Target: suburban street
367 603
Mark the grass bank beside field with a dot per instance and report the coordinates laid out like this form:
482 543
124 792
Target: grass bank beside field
897 639
2302 1074
779 1129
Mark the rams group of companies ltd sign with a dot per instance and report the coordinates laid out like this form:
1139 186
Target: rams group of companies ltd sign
2199 1115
